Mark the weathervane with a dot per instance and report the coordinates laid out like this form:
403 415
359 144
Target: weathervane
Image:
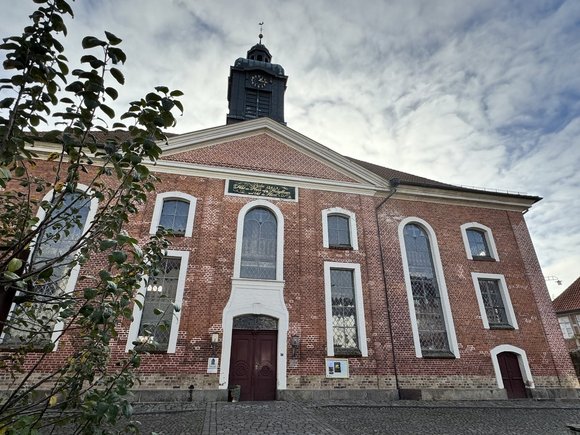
260 35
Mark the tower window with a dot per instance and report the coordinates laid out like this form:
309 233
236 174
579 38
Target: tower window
257 103
260 57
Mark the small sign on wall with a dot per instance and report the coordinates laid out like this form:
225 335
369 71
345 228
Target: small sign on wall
336 368
212 365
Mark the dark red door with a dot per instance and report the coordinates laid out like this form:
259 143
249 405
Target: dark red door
253 364
513 381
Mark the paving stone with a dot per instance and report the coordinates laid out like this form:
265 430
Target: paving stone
360 417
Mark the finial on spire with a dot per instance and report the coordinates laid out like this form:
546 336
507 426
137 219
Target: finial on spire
260 35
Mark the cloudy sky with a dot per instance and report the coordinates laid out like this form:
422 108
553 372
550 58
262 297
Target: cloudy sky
471 92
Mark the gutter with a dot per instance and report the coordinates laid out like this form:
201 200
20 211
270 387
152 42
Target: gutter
394 183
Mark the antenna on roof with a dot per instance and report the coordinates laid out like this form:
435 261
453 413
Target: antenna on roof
261 35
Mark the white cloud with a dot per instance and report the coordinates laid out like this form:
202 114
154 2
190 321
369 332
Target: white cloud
479 93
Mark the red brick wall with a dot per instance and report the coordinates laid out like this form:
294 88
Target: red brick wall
210 269
536 335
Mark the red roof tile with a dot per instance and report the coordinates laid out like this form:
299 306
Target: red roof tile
569 300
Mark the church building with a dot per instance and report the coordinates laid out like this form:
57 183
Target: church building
303 274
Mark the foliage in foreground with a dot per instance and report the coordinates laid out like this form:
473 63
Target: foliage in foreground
45 235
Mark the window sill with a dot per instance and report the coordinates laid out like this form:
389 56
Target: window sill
31 348
484 259
505 327
347 352
341 248
437 354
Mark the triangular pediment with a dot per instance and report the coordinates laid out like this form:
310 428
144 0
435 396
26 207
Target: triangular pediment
266 147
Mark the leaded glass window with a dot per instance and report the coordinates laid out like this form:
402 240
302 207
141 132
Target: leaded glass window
338 231
259 243
174 215
157 316
493 302
345 336
255 322
34 319
478 244
425 288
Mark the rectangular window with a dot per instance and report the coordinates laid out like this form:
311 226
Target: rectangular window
494 301
345 322
155 327
156 324
576 324
343 311
566 327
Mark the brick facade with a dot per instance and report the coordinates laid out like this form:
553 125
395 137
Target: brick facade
391 363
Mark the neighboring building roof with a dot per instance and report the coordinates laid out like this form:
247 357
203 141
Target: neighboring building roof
569 300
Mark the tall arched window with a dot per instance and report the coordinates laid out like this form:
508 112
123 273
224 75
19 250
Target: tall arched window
428 304
259 243
33 319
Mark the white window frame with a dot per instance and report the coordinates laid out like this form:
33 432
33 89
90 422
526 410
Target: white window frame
279 238
358 300
74 273
175 320
446 307
505 296
351 225
488 238
522 360
567 335
161 197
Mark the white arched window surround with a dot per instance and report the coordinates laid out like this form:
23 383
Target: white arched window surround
488 238
74 273
161 197
137 312
351 225
449 326
279 237
505 296
522 360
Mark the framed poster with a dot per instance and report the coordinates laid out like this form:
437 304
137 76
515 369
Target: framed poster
337 368
212 365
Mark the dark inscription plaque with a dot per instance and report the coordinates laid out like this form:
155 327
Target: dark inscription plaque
261 189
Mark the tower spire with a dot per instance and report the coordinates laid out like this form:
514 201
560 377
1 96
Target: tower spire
260 35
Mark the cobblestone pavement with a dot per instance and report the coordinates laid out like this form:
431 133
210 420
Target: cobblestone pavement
353 418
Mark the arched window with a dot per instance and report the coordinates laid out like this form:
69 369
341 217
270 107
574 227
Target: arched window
174 215
478 241
34 319
432 323
259 245
174 211
339 229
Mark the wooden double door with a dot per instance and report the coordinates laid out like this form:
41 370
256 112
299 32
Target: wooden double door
253 364
511 375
